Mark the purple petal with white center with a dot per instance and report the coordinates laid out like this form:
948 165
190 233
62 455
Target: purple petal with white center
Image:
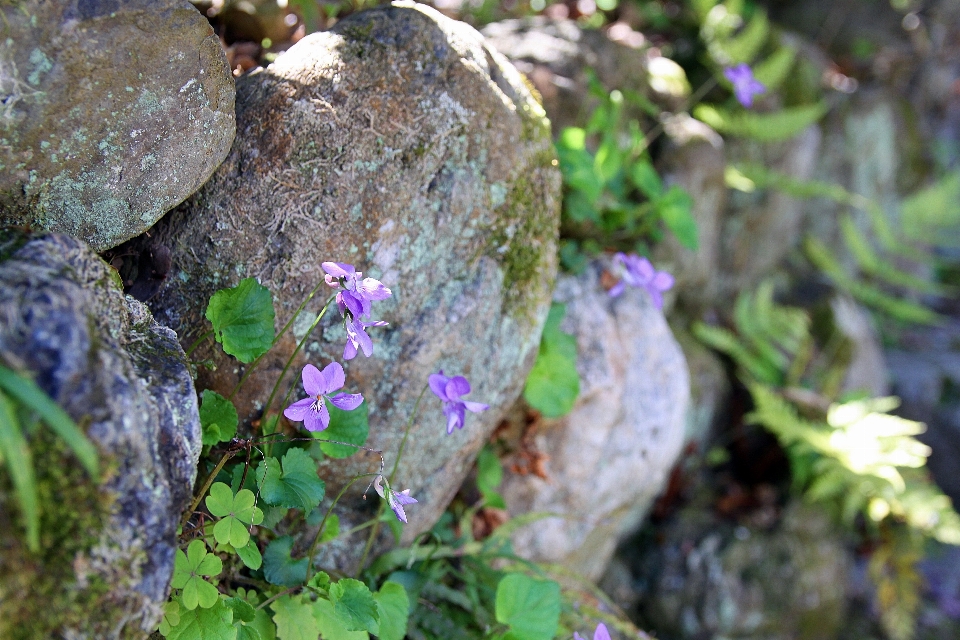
298 409
438 384
475 407
314 382
333 373
317 420
347 401
372 289
455 416
338 269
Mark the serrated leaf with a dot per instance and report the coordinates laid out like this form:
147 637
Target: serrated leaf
218 418
354 606
279 568
330 625
243 611
292 482
243 319
213 623
394 606
294 618
530 607
345 426
676 211
553 384
320 580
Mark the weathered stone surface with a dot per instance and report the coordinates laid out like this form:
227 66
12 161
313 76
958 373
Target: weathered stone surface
867 370
706 578
113 113
609 457
108 549
709 390
401 143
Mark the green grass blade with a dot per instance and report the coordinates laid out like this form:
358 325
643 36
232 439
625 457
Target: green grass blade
20 467
29 394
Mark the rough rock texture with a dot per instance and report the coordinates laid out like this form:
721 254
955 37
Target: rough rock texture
611 455
108 550
704 578
112 113
401 143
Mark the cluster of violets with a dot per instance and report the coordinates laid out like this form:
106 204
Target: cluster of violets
354 297
745 86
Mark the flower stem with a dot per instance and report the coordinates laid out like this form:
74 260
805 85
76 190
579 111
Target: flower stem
205 488
393 472
316 538
197 342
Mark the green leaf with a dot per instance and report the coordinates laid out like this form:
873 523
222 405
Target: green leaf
262 622
294 618
235 513
243 611
489 477
250 555
330 626
676 211
354 606
394 606
14 450
292 482
531 608
188 573
553 384
774 70
345 426
30 395
212 623
645 177
320 580
783 124
218 418
279 568
744 46
243 319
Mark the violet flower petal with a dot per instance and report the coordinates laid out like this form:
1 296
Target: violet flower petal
338 269
372 289
347 401
333 373
298 409
438 384
601 633
317 420
314 382
475 407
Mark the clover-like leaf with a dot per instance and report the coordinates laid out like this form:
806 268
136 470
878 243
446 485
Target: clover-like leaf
171 617
291 483
235 513
279 568
189 569
218 418
243 319
250 555
354 606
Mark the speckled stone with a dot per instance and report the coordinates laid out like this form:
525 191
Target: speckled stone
107 550
112 113
398 142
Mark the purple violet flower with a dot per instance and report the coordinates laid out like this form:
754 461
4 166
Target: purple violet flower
745 86
357 293
319 385
357 337
638 272
395 499
600 633
449 390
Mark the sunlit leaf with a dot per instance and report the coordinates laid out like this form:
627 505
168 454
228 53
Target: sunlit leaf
218 418
243 319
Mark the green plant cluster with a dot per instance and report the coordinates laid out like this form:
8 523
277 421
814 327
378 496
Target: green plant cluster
854 458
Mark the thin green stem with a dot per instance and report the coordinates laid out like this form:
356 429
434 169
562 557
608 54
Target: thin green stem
198 341
206 486
316 539
279 595
393 472
276 338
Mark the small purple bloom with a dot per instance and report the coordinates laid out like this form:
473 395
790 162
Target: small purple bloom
449 390
319 385
638 272
395 499
357 337
745 86
357 292
600 633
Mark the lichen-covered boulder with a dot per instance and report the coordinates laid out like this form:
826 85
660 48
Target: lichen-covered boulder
609 458
107 548
398 142
112 113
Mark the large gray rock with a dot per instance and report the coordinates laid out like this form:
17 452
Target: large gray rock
108 548
113 113
401 143
612 454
